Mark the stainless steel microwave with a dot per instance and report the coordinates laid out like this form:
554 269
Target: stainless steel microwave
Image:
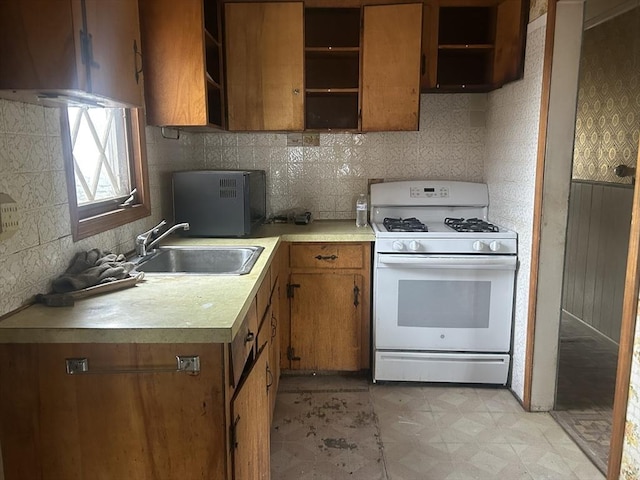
219 203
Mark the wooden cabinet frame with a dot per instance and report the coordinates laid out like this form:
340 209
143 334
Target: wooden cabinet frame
483 64
331 266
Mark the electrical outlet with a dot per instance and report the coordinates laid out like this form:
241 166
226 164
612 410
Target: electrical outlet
9 216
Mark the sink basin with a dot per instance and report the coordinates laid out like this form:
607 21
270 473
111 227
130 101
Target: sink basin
201 260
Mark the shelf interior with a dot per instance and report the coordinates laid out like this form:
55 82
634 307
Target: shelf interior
332 69
331 111
466 25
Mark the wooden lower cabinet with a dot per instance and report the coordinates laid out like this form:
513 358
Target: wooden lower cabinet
329 287
132 415
274 346
250 424
112 423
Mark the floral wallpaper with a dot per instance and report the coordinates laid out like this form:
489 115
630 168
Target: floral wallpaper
608 100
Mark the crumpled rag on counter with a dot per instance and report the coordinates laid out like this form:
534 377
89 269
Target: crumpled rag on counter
92 268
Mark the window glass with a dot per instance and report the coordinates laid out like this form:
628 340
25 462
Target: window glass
105 164
100 154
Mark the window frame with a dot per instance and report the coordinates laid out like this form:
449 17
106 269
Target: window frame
86 226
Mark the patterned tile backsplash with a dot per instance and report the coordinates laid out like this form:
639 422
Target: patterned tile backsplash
327 179
32 173
323 179
512 140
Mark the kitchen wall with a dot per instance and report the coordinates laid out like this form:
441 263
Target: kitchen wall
510 170
326 179
32 173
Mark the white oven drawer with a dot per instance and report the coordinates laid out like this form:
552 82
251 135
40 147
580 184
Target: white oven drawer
441 367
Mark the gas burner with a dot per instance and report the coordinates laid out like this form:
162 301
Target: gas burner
470 225
404 225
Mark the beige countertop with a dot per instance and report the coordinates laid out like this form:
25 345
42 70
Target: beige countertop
171 308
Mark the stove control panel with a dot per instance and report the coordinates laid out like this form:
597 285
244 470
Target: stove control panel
458 245
412 246
429 192
495 246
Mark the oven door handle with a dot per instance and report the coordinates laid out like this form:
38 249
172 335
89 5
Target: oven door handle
490 262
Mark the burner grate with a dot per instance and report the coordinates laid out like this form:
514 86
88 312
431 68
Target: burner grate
404 225
470 225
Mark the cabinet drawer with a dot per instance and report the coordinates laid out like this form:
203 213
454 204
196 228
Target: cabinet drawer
265 329
243 343
263 297
326 255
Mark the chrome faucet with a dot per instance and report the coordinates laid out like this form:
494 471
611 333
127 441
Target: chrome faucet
147 240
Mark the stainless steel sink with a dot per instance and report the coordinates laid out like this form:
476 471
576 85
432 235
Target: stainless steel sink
227 260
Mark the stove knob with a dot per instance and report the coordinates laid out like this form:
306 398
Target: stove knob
478 246
414 246
397 245
495 246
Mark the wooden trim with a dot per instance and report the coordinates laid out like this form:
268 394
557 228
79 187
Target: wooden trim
627 335
86 227
537 206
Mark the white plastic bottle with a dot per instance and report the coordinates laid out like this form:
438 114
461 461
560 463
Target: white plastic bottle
361 211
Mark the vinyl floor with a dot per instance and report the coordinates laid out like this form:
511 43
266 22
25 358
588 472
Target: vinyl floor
345 427
586 385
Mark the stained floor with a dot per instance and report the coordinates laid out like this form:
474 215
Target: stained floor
335 427
586 386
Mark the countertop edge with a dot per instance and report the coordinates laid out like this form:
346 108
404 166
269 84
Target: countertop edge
321 231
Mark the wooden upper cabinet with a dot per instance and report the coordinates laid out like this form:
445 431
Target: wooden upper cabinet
332 68
182 42
265 61
472 45
79 50
391 67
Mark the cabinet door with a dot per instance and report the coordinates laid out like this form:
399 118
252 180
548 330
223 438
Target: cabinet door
508 64
38 47
274 346
326 312
70 49
115 39
265 51
250 419
391 67
115 424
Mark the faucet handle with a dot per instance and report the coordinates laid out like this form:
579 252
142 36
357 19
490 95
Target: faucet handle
154 230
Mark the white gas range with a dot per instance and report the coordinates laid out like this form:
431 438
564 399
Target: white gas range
443 284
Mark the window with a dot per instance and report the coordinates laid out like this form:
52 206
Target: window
106 167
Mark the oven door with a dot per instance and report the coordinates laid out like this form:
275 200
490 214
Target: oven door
443 303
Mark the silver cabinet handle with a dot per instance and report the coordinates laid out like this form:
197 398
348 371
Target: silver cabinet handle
184 363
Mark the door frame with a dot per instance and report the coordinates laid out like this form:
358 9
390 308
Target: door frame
540 370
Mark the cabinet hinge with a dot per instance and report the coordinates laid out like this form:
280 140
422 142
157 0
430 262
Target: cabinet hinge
290 287
356 295
86 41
291 354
